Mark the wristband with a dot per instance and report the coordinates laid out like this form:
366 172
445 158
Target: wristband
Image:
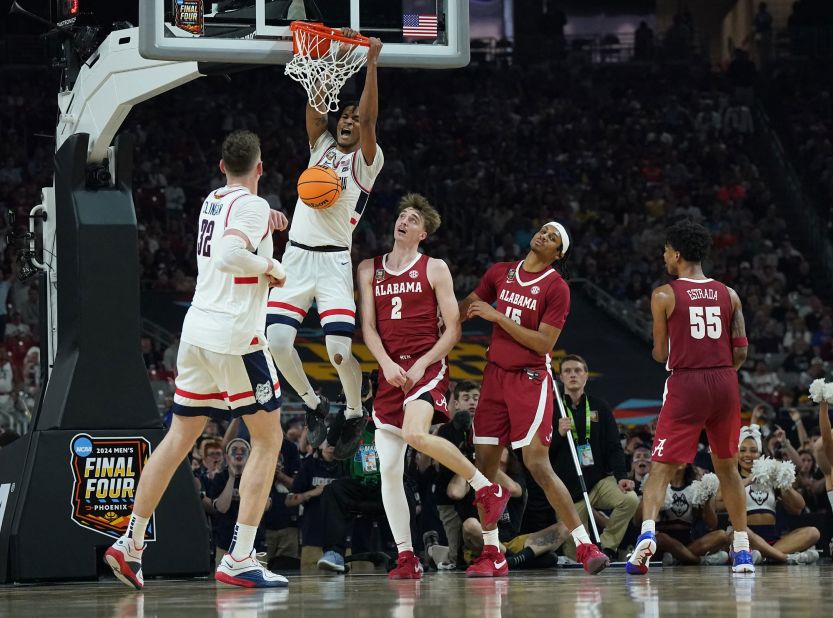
740 342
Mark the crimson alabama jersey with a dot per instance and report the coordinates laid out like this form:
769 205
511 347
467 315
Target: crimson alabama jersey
699 328
406 308
529 299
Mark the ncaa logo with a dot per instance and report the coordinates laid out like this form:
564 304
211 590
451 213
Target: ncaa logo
413 274
535 289
82 447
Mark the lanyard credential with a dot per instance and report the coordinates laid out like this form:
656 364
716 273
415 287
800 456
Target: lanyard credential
586 420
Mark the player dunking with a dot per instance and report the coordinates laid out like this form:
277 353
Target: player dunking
318 256
701 321
222 364
516 398
400 295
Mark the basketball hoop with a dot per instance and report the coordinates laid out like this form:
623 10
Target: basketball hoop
323 59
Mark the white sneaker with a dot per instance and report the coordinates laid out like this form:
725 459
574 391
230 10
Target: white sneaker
248 573
795 558
126 561
716 558
757 557
810 555
668 559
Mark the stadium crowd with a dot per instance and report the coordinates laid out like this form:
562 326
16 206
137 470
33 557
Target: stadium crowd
616 152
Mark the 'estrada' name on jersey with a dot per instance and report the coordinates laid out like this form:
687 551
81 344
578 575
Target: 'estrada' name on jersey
698 293
386 289
518 300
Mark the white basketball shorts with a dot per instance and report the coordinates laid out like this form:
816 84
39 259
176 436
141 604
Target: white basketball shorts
208 382
326 277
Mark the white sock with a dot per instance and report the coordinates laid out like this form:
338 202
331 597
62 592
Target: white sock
491 538
580 535
243 541
740 541
649 526
391 451
352 413
478 481
311 400
136 530
349 371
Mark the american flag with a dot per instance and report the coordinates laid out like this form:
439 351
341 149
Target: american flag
419 26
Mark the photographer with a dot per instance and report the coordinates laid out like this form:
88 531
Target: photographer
458 432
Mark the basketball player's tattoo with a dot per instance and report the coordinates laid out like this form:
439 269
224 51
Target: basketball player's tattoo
549 539
738 324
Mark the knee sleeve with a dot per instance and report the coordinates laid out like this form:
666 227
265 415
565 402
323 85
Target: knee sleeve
339 348
281 338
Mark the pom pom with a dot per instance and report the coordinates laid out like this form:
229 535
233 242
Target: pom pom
774 474
704 489
818 390
828 392
762 471
783 475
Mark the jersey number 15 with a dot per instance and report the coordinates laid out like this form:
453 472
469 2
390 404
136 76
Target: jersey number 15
705 321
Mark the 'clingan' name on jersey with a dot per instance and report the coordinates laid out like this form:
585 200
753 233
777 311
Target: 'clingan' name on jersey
519 300
212 208
387 289
706 294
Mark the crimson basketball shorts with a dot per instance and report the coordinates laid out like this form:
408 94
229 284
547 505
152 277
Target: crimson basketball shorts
209 381
695 400
513 407
389 404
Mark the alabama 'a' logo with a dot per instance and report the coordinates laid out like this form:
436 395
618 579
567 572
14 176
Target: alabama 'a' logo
659 448
105 474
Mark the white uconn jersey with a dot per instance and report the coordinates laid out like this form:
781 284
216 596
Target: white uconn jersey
334 225
228 312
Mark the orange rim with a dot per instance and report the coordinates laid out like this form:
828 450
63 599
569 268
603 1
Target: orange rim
327 32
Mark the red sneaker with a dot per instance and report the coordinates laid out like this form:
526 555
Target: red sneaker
493 501
490 563
408 566
593 560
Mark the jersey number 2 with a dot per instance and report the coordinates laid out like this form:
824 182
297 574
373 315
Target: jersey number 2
204 242
705 321
396 310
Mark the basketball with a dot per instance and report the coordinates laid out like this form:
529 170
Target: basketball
319 187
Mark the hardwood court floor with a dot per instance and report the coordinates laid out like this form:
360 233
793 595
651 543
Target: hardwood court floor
704 592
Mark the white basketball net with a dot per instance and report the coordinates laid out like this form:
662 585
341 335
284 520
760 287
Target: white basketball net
323 72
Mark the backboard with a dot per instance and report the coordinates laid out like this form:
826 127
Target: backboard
415 33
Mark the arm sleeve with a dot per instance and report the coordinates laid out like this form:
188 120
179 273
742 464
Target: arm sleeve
233 258
487 289
250 215
558 304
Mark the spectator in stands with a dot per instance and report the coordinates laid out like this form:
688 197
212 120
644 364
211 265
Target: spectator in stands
211 456
762 34
643 42
359 492
16 328
316 472
809 481
169 355
640 465
30 310
763 381
223 492
279 520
